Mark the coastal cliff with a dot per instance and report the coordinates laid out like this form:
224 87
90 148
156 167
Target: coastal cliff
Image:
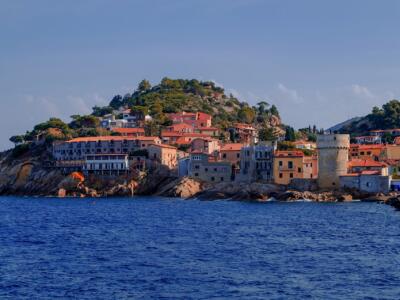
30 176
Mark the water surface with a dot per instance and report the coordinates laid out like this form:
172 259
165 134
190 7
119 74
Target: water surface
174 249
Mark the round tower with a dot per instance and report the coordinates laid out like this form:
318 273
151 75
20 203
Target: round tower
333 155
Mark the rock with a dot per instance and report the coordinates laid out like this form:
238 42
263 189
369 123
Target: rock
345 197
394 201
183 188
62 193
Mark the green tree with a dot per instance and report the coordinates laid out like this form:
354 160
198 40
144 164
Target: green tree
274 111
144 86
246 114
290 134
267 134
17 139
262 107
116 102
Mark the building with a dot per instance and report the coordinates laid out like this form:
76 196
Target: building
109 164
361 165
134 132
205 145
206 168
197 119
391 152
393 132
305 145
244 133
110 122
165 155
72 154
181 128
333 154
256 163
231 153
371 151
369 139
210 131
289 165
135 118
366 181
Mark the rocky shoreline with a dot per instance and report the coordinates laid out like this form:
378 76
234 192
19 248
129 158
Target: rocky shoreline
28 177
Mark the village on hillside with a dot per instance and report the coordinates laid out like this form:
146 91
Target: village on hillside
192 129
191 147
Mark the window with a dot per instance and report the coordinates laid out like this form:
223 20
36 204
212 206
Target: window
222 178
206 170
290 164
212 179
291 175
280 175
196 174
362 153
299 170
238 155
280 163
224 155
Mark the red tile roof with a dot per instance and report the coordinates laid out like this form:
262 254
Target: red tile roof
163 146
170 133
365 163
289 154
128 130
232 147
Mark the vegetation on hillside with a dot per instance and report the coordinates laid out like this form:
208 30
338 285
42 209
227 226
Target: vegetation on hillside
169 96
386 117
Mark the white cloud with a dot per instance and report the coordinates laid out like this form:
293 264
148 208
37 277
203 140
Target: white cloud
292 95
361 91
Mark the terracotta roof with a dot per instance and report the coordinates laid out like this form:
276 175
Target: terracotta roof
207 128
243 126
365 163
129 130
163 146
182 141
194 135
232 147
289 154
102 138
180 126
170 133
372 146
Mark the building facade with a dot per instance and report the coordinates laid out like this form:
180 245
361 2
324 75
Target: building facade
206 168
289 165
256 163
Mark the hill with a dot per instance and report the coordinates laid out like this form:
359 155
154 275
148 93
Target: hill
169 96
385 117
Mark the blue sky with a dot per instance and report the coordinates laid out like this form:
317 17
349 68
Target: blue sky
320 62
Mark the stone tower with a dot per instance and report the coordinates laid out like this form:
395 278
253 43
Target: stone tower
333 155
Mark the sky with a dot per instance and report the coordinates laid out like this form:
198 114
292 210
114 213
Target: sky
319 62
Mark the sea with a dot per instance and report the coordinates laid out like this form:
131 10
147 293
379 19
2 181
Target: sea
161 248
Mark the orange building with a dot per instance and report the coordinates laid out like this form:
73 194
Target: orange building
373 151
294 164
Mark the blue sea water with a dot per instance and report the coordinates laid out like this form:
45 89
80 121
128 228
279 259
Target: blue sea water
154 248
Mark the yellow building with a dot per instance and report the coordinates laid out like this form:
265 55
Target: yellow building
391 152
293 164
